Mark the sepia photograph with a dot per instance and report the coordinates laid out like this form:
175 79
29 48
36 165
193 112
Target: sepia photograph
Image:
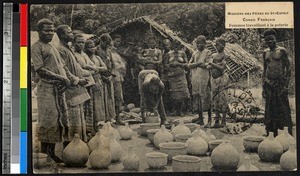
160 87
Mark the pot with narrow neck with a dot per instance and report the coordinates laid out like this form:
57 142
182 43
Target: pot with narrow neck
163 135
131 160
270 150
196 145
285 139
288 160
247 166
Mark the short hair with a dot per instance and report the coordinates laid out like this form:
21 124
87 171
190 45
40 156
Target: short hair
105 38
76 36
42 22
88 42
115 36
269 32
221 40
200 38
60 30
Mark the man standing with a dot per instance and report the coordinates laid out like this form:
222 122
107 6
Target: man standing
276 77
75 95
54 78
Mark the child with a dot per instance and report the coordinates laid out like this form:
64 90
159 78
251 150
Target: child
219 81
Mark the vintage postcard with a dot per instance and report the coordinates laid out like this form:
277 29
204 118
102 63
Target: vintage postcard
163 87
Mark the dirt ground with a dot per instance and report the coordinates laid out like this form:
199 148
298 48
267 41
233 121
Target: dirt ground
141 146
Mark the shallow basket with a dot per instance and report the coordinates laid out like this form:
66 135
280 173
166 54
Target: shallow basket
186 163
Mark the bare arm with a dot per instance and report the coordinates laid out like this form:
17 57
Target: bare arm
287 66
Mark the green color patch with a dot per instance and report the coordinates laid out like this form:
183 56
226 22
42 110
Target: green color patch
23 105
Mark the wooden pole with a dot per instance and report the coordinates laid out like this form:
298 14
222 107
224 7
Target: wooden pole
248 79
72 15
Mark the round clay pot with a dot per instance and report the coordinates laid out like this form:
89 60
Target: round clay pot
180 129
130 106
173 149
100 158
116 150
191 126
76 153
285 139
157 160
131 160
125 132
251 143
163 135
196 145
199 130
182 137
288 160
186 163
247 166
151 133
39 159
225 156
208 136
270 150
147 126
215 143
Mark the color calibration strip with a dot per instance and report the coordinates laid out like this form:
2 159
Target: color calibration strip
7 88
23 87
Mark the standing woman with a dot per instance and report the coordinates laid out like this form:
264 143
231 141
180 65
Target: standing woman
200 79
103 50
175 64
153 56
99 68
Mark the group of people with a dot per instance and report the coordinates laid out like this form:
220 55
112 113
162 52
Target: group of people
80 81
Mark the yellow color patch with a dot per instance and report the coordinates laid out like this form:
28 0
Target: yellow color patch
23 67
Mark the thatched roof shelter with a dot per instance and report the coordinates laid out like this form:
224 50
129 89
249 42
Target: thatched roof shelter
139 29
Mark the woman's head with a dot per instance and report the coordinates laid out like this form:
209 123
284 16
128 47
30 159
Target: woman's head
220 44
89 47
176 45
105 41
200 42
152 42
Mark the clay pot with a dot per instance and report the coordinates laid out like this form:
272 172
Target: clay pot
288 160
191 126
113 132
270 150
251 143
151 133
285 139
186 163
153 118
208 136
180 129
199 130
76 153
173 149
163 135
135 110
196 145
215 143
125 132
225 156
131 160
157 160
116 150
93 143
247 166
182 137
100 158
147 126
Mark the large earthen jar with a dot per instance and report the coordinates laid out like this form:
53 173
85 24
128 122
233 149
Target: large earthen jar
76 153
93 142
180 129
247 166
270 150
225 156
196 145
125 132
285 139
131 160
288 160
116 149
100 158
163 135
